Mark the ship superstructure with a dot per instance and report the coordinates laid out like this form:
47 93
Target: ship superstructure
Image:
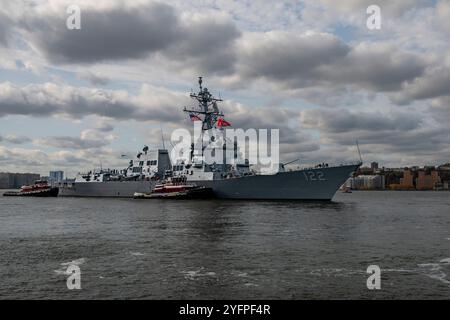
142 173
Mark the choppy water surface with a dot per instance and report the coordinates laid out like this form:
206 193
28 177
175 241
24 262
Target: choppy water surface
216 249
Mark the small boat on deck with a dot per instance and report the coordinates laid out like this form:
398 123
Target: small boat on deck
177 188
40 188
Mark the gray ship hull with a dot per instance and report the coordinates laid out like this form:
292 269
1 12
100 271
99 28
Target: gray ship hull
111 189
313 184
308 184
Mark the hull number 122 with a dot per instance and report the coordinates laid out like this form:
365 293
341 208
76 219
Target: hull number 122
314 175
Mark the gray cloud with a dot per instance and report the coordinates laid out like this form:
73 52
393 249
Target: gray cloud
71 143
377 67
324 60
11 138
207 44
111 34
443 14
289 58
5 28
435 83
21 158
104 126
398 135
50 99
342 120
93 78
261 117
440 109
293 140
214 45
123 32
88 139
424 141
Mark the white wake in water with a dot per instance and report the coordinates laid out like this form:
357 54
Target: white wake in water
63 269
195 274
136 253
436 271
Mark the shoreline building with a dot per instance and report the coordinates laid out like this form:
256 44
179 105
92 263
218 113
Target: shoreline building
374 166
406 183
366 182
407 178
426 181
420 179
56 176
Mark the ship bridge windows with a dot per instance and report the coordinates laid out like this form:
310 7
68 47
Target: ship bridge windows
137 169
178 168
141 163
152 162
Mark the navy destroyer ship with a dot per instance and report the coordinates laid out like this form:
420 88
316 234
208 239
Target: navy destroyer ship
229 181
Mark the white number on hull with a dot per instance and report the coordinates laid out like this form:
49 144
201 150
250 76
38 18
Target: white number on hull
314 176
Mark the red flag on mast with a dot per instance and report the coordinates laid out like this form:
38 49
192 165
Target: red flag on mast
222 123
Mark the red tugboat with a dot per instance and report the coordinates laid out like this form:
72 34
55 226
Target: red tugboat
177 188
40 188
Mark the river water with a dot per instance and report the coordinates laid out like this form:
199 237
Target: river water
224 249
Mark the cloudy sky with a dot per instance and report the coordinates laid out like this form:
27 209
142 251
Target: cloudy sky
75 99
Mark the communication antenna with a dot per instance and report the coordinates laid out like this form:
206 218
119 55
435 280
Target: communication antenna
290 162
359 152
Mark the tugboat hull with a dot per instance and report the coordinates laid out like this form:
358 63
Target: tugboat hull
197 193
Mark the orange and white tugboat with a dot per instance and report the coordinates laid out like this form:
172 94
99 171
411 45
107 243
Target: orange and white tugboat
40 188
177 188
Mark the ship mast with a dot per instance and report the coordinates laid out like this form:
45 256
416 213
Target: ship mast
207 111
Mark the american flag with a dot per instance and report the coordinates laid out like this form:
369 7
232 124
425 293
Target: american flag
194 117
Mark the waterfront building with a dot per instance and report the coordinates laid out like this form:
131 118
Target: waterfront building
406 182
408 179
445 185
374 166
56 176
366 182
427 181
